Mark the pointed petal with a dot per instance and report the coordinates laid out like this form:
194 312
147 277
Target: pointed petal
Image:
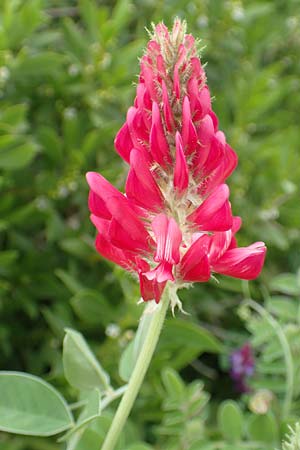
105 247
161 69
137 129
102 191
148 77
158 143
168 239
193 90
205 101
176 82
143 103
194 264
214 158
223 171
181 174
97 206
221 241
197 69
140 185
123 142
214 119
126 229
189 134
214 214
244 262
113 233
112 253
205 136
168 114
186 117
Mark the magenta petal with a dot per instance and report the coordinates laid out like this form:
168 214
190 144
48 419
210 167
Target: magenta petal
151 289
105 247
126 229
168 114
194 265
97 206
189 134
140 185
148 78
102 188
168 239
204 100
123 142
193 89
221 241
115 235
205 135
176 82
219 244
223 171
158 143
244 262
197 69
181 173
214 158
137 129
186 117
162 273
220 221
112 253
214 214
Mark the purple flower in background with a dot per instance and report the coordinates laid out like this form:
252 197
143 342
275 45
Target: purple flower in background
242 367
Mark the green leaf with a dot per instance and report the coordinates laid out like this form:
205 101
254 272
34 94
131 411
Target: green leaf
263 428
69 281
92 307
173 342
173 383
76 41
51 144
230 419
17 157
286 283
82 370
38 66
139 446
284 308
30 406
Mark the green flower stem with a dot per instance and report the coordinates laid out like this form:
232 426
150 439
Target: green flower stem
139 372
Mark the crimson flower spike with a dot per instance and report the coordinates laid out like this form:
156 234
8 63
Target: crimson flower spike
174 222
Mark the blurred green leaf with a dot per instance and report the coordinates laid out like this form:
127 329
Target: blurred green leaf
263 428
231 421
17 157
176 333
286 283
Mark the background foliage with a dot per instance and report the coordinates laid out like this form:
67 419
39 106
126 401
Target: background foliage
67 72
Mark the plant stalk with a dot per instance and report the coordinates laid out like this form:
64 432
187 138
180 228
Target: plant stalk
139 372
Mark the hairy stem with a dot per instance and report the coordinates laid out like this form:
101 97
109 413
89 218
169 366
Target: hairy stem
139 372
